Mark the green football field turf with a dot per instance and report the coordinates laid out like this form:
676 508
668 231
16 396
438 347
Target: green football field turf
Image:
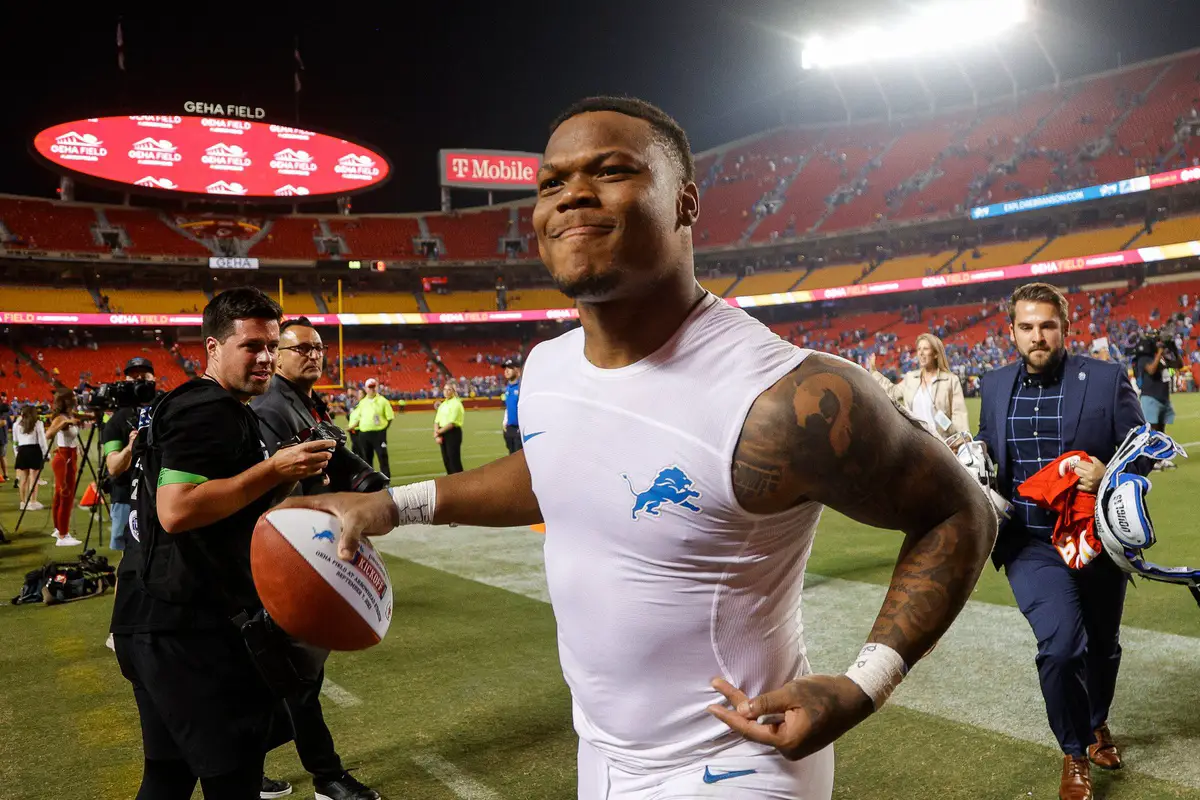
465 698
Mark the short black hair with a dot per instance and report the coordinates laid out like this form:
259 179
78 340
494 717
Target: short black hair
225 309
666 129
302 322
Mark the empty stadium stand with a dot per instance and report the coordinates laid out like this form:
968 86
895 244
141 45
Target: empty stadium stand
377 237
40 224
1104 240
154 301
768 282
460 301
19 380
374 303
470 235
1179 229
149 235
838 275
68 299
532 299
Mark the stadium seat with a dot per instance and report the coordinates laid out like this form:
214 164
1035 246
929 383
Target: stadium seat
1171 231
377 237
155 301
470 235
70 299
995 255
460 301
768 282
289 237
27 385
149 235
1085 243
533 299
908 267
833 277
718 286
365 302
42 225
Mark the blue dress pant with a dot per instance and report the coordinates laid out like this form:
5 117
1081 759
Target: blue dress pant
1076 616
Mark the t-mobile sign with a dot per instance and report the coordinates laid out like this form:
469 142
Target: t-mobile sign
489 169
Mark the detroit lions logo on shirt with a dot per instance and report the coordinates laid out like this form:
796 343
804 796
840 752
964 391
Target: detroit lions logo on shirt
671 486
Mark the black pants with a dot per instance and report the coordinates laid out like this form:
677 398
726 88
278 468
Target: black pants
314 742
452 450
1076 616
356 444
512 438
375 443
205 712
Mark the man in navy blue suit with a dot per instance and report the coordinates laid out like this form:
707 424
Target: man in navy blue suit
1033 411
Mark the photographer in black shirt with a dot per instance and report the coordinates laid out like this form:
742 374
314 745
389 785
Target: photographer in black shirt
120 433
290 408
203 479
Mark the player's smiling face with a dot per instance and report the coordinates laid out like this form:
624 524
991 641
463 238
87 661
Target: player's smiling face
608 210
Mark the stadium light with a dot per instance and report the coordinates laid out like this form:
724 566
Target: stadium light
931 28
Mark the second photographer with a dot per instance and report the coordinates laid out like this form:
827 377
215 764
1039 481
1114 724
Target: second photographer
1155 355
289 411
120 433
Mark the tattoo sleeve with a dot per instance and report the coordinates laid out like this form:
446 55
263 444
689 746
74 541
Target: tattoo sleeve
828 433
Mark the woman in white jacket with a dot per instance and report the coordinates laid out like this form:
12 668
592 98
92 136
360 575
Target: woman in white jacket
933 394
29 444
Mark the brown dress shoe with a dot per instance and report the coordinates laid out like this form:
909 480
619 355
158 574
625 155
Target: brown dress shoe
1104 753
1076 781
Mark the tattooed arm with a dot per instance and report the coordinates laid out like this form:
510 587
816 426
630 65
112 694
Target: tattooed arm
827 433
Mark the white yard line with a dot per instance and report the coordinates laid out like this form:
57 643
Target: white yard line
453 778
982 672
338 696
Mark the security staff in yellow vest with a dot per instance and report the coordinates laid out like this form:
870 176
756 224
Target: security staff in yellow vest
448 429
371 419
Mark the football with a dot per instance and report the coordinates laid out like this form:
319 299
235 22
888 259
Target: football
312 594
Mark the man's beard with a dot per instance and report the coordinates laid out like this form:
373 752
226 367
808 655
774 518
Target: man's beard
589 286
1052 363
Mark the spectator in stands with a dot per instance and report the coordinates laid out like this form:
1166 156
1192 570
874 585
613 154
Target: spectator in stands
448 429
64 428
29 442
932 393
375 415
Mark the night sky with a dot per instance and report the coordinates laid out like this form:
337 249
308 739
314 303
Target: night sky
491 75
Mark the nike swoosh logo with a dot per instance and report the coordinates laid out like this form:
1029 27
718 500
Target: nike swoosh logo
717 777
529 436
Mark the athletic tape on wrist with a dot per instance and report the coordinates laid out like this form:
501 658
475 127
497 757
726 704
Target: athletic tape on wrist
415 502
878 670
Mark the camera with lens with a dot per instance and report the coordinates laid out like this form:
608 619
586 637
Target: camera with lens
1152 339
120 394
347 472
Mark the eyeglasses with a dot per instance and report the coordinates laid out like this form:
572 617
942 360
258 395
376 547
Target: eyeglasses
307 350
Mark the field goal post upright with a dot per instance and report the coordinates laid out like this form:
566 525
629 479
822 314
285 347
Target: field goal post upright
341 360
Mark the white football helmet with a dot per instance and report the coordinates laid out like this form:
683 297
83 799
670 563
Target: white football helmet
1122 518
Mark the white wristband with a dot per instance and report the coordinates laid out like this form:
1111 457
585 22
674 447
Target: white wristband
415 502
877 671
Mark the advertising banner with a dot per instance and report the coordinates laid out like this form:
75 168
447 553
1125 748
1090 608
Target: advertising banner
501 170
212 156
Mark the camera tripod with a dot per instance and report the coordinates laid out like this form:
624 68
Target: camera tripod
85 461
